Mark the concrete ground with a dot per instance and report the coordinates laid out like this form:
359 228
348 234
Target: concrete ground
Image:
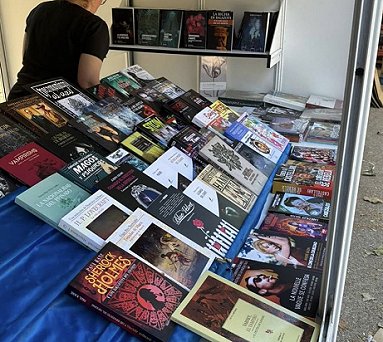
362 308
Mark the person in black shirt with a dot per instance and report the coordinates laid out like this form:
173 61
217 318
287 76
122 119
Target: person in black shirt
63 38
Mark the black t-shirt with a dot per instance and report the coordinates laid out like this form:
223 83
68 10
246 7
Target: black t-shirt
58 33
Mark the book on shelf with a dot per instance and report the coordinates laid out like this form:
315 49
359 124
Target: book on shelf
123 83
216 203
131 187
122 156
322 114
323 132
284 250
305 179
238 98
34 113
286 203
87 170
273 19
220 30
31 163
173 168
252 35
170 27
194 29
194 221
122 29
69 144
293 129
287 100
218 153
164 249
102 91
219 310
147 26
52 198
294 225
143 147
8 184
96 220
297 290
138 73
320 101
316 155
167 88
150 293
228 187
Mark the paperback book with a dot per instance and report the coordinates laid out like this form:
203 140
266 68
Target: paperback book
152 297
196 99
140 107
147 27
122 29
123 84
192 220
319 101
293 129
103 91
194 29
287 100
220 29
240 98
182 109
152 96
122 156
166 87
204 117
316 155
31 163
323 132
138 73
322 114
170 27
7 184
275 111
219 310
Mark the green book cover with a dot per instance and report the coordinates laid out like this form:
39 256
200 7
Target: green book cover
147 26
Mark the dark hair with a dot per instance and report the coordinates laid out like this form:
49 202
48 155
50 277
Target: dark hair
288 201
250 287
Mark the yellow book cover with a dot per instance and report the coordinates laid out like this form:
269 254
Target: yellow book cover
219 310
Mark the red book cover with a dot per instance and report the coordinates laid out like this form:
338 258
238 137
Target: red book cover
31 163
129 293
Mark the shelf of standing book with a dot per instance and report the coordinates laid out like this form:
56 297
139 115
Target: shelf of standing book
272 58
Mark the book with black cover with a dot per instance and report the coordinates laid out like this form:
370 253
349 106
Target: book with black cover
194 29
181 109
141 107
122 29
122 156
128 292
167 88
170 27
220 29
147 26
191 219
196 99
102 91
7 184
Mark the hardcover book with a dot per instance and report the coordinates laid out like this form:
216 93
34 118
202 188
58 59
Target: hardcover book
323 132
212 200
129 293
95 220
121 156
194 29
297 290
301 205
131 187
316 155
31 163
69 144
287 100
221 311
52 198
305 179
192 220
143 147
222 155
293 129
164 249
294 225
7 184
122 29
228 187
123 84
284 250
147 27
88 170
170 27
220 29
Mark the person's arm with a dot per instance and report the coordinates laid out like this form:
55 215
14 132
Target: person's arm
88 73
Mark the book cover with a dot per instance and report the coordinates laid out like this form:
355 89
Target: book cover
287 100
88 170
69 144
297 290
164 249
224 111
224 156
123 83
316 155
103 91
293 129
294 225
31 163
95 220
196 99
194 29
34 113
167 88
119 116
253 31
173 168
52 198
7 184
322 114
305 179
228 187
219 310
147 27
275 111
181 109
131 187
122 29
122 156
284 250
286 203
212 200
128 292
205 117
12 136
152 96
323 132
138 73
170 27
140 107
192 220
220 29
143 147
320 101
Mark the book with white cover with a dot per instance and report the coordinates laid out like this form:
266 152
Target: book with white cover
287 100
